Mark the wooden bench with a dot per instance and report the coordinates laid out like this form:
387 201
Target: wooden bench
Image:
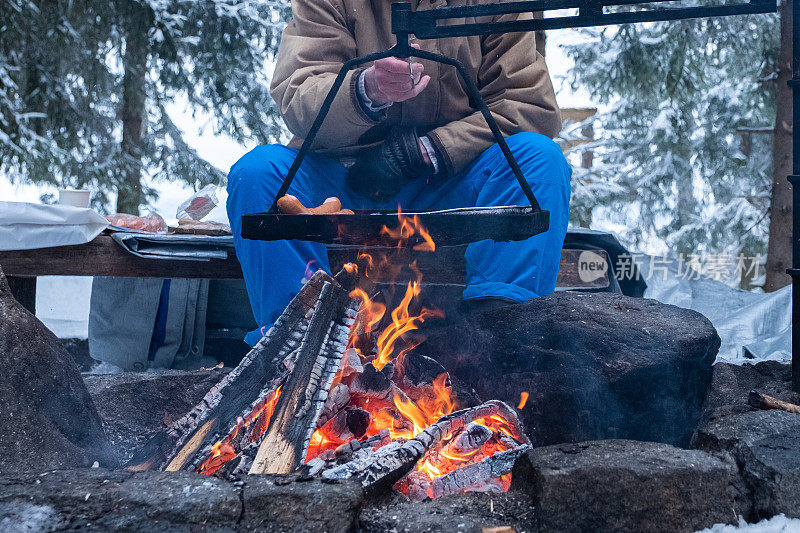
101 257
445 268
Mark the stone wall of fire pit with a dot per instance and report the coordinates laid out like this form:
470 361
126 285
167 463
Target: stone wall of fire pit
744 462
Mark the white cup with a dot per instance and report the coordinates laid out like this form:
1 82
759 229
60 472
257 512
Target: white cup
74 197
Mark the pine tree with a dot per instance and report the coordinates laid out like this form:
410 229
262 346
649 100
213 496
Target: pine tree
84 87
676 161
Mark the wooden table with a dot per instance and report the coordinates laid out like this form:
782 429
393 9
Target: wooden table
101 257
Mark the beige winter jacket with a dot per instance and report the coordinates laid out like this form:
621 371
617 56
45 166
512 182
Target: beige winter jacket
511 75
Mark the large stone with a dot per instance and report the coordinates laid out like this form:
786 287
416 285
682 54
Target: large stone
135 405
101 500
766 446
470 512
47 418
282 503
627 486
596 366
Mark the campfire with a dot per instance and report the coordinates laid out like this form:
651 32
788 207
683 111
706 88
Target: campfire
334 390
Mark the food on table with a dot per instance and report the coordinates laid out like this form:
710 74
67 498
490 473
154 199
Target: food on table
152 223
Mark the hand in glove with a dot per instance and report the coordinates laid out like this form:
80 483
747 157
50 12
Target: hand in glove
381 171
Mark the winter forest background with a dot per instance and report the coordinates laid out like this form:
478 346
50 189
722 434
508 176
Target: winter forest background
692 136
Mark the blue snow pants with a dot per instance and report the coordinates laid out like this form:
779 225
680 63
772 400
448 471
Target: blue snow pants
519 271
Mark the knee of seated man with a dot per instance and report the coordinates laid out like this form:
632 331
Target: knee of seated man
530 147
263 164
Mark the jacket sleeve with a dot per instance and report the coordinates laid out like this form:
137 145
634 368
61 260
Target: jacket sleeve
313 48
516 86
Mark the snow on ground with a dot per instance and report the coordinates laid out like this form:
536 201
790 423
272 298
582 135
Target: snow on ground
776 524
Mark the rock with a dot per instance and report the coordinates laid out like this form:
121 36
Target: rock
281 503
47 418
596 366
106 500
731 384
470 512
766 446
135 405
619 485
79 350
102 500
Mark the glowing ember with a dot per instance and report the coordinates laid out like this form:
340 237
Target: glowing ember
523 399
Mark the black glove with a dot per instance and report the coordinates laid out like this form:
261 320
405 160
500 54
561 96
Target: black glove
381 171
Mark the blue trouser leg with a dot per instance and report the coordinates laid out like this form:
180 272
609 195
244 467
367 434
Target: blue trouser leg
525 269
273 270
516 270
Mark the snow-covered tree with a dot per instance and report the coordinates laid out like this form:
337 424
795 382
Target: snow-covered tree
677 159
85 86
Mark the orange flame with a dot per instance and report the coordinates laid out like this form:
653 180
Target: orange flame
402 323
408 228
373 311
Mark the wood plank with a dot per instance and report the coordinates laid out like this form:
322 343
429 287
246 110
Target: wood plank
104 257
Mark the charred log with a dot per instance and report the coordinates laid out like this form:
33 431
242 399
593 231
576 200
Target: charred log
380 470
481 476
374 383
467 441
285 444
187 441
420 370
337 400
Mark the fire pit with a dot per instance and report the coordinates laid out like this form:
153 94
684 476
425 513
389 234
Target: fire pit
353 415
333 391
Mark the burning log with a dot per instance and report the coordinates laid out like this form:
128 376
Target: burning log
384 467
240 406
484 476
351 363
348 425
337 400
345 451
284 446
373 383
762 401
467 441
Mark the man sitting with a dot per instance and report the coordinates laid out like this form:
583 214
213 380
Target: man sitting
413 139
